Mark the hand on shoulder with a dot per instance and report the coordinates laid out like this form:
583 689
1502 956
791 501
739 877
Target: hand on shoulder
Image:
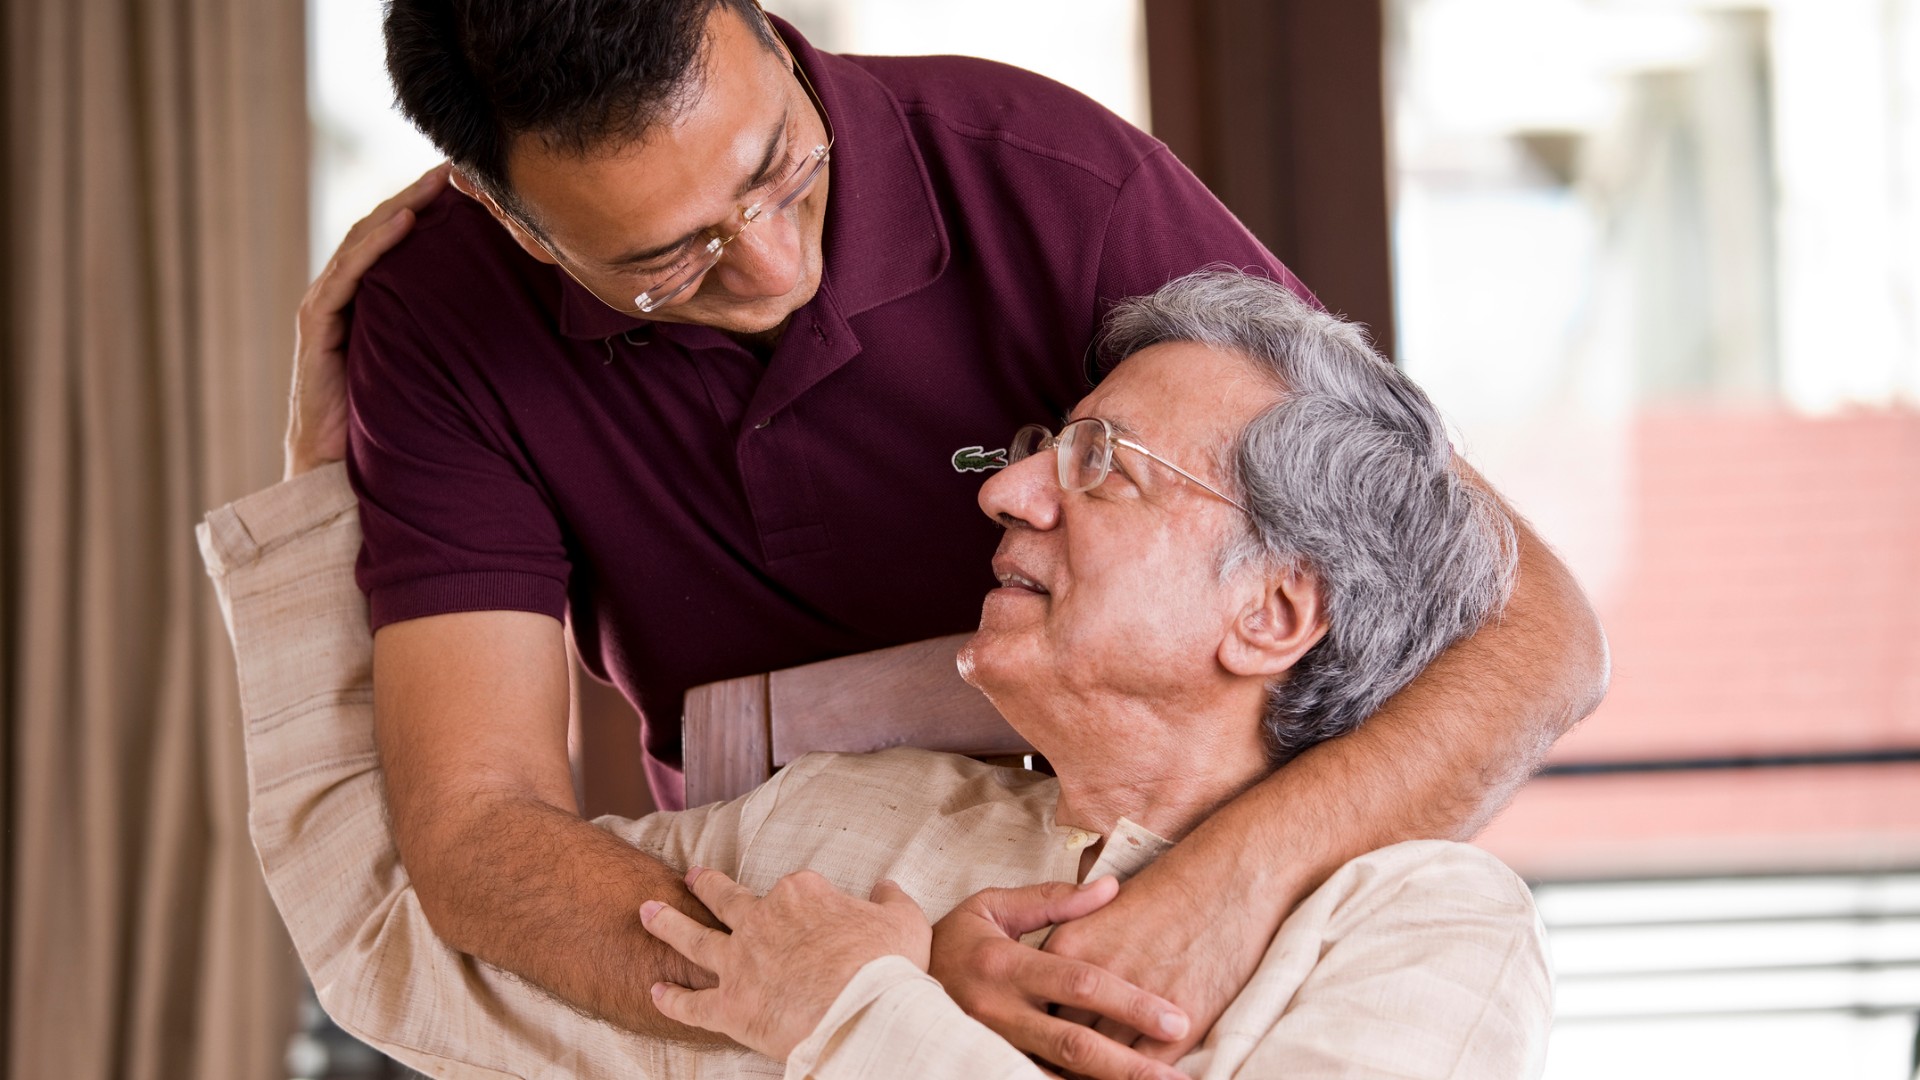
317 405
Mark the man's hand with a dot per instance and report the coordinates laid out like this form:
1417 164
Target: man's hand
788 956
317 409
1008 987
1154 935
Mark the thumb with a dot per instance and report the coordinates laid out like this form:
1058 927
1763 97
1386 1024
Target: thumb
888 893
1024 910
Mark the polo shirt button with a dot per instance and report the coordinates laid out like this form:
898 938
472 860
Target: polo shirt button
762 424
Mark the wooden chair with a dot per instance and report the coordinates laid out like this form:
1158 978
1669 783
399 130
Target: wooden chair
739 731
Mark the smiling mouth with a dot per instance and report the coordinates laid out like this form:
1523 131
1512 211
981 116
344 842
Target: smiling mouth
1011 580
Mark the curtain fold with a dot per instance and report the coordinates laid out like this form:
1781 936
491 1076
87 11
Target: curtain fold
155 182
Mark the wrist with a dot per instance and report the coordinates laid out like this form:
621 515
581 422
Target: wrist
1238 860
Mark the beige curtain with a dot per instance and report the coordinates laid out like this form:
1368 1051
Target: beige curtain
155 216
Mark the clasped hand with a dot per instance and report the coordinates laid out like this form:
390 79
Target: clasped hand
790 954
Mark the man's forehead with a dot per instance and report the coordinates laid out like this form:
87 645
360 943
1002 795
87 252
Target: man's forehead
642 194
1177 376
1128 400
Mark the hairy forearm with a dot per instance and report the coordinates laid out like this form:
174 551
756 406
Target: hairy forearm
1438 761
470 721
535 890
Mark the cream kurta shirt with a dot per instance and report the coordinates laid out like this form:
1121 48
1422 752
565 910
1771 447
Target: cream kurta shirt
1424 959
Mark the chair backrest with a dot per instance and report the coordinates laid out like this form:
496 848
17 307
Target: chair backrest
739 731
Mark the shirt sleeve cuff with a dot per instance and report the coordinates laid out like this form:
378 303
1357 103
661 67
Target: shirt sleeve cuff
873 979
892 1020
242 531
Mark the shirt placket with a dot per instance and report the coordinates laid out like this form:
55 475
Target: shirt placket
777 449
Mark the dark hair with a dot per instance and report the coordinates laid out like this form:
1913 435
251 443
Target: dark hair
474 74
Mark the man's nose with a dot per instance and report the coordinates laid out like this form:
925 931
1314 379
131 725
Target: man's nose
1024 493
764 260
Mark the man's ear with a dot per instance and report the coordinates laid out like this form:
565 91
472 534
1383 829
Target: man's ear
1276 627
528 242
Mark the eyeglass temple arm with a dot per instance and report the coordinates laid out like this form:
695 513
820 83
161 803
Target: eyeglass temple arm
1217 493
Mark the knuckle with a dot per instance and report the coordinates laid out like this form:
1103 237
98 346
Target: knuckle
995 964
1063 939
1080 983
1073 1046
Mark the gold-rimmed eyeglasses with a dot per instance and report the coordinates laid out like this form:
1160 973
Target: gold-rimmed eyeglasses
1084 455
694 265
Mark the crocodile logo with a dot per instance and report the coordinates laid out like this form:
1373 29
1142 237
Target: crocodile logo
978 459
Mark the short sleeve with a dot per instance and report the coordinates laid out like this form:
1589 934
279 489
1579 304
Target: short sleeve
454 516
1165 223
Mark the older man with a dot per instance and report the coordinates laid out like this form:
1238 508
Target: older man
698 375
1243 541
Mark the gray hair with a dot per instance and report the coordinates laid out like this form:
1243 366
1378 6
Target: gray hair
1350 478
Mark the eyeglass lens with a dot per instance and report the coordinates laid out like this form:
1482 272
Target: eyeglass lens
1082 451
795 185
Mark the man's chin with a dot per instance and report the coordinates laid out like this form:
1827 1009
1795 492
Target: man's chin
760 317
990 659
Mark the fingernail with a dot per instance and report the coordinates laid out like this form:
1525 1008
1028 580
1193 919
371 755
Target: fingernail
1173 1025
649 909
658 989
694 872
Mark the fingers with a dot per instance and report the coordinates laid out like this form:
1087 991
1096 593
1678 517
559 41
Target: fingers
414 197
1118 1032
702 945
723 896
423 191
1074 984
337 283
1084 1051
353 261
1024 910
371 237
889 894
689 1007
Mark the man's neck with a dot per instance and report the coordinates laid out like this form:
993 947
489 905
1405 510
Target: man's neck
1167 774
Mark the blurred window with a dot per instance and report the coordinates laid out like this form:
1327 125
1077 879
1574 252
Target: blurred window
363 149
1659 263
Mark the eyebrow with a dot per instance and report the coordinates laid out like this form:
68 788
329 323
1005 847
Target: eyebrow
767 162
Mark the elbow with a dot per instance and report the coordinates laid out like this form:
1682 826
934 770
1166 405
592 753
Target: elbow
442 866
1586 664
1599 673
441 907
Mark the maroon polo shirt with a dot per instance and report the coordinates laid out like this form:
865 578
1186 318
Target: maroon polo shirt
702 514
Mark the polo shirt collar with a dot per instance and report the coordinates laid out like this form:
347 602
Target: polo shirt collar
895 245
